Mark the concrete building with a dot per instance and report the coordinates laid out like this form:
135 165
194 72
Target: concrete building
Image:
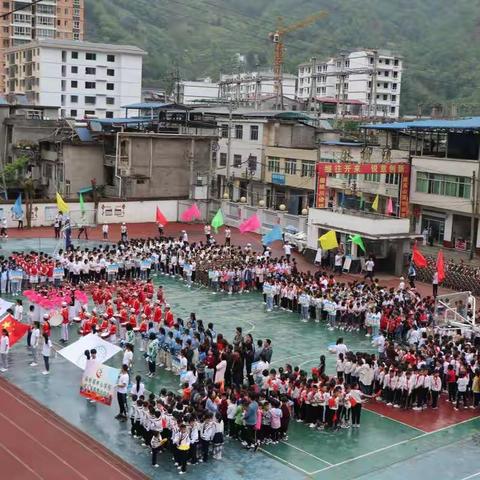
359 83
83 79
445 160
49 19
253 86
190 92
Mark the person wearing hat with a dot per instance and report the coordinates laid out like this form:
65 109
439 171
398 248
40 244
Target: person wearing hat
65 322
46 329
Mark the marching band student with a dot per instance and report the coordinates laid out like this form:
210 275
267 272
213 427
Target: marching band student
65 322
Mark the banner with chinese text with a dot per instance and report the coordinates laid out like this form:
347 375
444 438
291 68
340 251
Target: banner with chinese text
99 382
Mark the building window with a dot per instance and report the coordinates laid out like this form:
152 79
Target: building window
110 58
90 85
90 71
110 72
392 178
273 164
395 62
372 177
110 101
237 161
253 132
75 55
223 160
74 69
308 168
238 132
110 86
393 110
224 131
90 56
90 112
446 185
291 166
74 84
109 115
74 98
64 56
90 100
73 113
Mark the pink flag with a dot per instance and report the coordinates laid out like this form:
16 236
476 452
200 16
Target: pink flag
389 206
191 214
250 224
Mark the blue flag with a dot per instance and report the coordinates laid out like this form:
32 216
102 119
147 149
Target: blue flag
17 207
274 234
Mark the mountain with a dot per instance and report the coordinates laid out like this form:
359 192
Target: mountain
437 38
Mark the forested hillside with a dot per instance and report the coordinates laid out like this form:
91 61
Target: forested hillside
439 39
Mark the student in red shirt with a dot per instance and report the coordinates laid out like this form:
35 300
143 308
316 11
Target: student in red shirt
451 383
65 322
169 321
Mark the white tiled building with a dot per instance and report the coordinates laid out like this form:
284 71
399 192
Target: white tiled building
371 78
248 86
83 79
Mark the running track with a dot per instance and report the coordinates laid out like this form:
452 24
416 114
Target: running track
36 444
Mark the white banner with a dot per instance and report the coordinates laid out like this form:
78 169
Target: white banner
4 306
75 352
99 382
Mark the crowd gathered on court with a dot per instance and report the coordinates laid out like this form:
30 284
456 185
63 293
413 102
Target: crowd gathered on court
228 385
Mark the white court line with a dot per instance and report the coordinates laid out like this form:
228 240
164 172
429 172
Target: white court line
20 461
51 452
280 459
394 420
64 431
388 447
473 475
306 453
293 356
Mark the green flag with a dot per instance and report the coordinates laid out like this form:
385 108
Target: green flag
82 203
362 201
357 240
217 220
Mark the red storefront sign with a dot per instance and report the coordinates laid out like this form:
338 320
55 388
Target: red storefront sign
325 169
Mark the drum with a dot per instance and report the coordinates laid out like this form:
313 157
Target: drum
77 319
136 329
124 324
56 319
105 335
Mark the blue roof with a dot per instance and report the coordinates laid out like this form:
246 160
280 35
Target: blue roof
84 134
342 144
471 123
99 122
148 105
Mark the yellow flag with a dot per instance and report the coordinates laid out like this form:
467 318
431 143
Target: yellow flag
329 240
375 204
61 205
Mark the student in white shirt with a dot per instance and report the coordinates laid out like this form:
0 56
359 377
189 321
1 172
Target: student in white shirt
122 386
18 311
34 343
462 384
46 351
4 349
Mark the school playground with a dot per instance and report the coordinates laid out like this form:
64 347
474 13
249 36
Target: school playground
49 432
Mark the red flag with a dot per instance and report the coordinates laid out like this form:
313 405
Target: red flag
160 217
440 267
15 329
417 258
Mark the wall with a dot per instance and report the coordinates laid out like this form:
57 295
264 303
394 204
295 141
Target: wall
363 224
447 166
82 164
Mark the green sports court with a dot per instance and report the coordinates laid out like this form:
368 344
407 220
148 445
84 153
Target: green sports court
384 447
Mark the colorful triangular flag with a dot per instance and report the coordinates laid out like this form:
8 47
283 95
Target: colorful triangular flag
61 205
273 235
82 203
17 207
375 204
440 267
250 224
358 240
191 213
217 220
417 258
389 206
160 217
329 240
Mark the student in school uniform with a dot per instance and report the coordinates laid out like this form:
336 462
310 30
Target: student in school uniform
462 384
356 398
46 352
4 349
435 388
34 343
156 445
18 311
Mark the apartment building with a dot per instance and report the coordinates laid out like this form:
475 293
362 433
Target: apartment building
251 86
83 79
360 83
48 19
189 92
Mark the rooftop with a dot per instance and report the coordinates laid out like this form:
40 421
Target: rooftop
79 45
470 123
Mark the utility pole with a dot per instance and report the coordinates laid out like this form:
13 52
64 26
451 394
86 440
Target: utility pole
229 144
474 215
313 87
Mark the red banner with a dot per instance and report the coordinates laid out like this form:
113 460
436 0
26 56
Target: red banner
362 168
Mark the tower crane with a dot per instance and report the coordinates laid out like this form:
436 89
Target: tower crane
279 47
